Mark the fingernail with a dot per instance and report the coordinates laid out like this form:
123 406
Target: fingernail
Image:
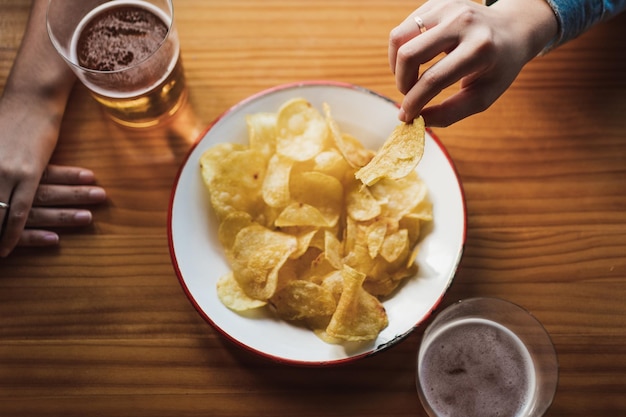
97 194
50 238
402 115
83 217
86 176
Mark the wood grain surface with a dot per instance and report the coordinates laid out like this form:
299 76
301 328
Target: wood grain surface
101 327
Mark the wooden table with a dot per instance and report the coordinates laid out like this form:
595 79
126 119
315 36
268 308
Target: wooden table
101 327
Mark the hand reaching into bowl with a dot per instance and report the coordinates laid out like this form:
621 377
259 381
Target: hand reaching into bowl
482 47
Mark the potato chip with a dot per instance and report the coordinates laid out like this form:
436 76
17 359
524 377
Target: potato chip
384 277
319 190
333 282
399 197
398 156
231 189
314 266
359 315
380 283
275 189
410 262
395 245
230 227
359 155
424 208
350 235
317 241
351 149
332 250
287 273
361 204
413 224
375 235
304 237
262 133
303 299
257 256
211 159
299 214
331 162
302 131
232 296
359 258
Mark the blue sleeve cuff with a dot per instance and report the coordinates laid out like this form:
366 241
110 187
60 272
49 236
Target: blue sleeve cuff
577 16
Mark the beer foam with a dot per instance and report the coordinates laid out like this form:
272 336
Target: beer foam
476 367
119 37
137 80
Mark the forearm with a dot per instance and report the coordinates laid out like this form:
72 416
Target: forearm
35 96
533 22
39 77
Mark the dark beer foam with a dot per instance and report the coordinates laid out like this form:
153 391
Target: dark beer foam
120 37
476 369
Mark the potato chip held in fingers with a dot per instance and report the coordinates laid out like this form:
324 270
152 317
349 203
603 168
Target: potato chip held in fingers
399 155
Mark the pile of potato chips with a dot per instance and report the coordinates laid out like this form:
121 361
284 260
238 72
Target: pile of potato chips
302 234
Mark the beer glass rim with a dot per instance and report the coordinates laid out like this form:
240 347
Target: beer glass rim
497 300
447 315
76 65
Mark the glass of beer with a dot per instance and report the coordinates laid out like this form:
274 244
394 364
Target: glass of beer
126 52
486 357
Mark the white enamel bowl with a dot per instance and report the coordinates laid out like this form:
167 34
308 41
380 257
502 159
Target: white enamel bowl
198 258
